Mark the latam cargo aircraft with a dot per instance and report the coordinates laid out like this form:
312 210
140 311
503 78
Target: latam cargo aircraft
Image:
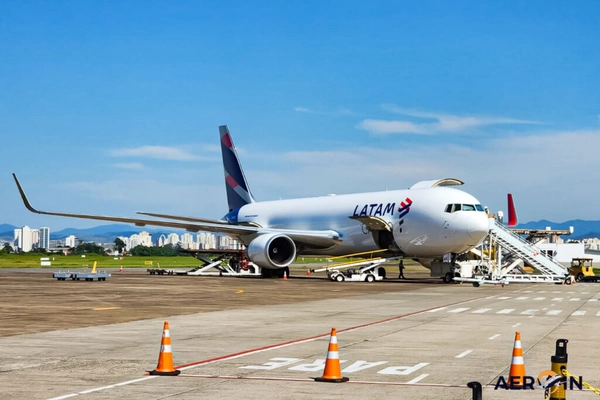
429 220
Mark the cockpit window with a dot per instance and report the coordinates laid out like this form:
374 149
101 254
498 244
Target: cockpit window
450 208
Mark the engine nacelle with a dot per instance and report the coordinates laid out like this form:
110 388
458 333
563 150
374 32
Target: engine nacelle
272 251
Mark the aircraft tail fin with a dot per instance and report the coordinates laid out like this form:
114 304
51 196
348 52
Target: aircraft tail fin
512 212
238 192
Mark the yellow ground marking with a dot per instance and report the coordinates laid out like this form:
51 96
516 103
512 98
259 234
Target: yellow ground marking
106 308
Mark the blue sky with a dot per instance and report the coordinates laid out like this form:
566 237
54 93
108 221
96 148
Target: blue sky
114 107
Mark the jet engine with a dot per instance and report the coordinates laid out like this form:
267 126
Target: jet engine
272 251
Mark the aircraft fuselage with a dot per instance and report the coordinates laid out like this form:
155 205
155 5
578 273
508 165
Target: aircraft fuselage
419 220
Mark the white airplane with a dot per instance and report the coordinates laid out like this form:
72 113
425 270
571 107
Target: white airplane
425 222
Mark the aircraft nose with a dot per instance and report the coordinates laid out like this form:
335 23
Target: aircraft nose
478 226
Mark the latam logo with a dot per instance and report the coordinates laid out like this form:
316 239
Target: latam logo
403 210
381 209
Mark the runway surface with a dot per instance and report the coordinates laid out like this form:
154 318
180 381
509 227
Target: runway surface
263 339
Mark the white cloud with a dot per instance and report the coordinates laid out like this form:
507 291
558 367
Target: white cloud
433 123
382 126
158 152
132 166
303 110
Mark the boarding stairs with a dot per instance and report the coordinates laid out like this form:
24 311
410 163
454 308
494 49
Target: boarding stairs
521 251
529 253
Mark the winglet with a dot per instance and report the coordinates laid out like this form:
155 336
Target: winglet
24 197
512 212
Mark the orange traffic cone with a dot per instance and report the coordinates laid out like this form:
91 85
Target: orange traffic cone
517 366
333 370
121 269
285 276
308 272
165 357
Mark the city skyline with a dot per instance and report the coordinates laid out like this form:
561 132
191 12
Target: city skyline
26 239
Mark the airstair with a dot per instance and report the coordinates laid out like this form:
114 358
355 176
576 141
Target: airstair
517 249
529 253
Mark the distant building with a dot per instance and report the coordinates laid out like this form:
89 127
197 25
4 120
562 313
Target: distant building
206 240
139 239
70 241
23 239
173 239
44 238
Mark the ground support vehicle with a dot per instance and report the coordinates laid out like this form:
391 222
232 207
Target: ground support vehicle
88 276
228 264
62 276
366 274
582 269
160 271
361 270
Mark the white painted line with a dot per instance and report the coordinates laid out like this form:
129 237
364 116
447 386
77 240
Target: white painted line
418 378
105 387
575 299
503 298
593 300
557 299
598 314
506 311
539 298
521 298
553 312
542 291
515 325
464 353
494 337
481 311
529 312
527 291
578 313
458 310
437 309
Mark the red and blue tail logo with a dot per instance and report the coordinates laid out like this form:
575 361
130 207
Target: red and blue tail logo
238 193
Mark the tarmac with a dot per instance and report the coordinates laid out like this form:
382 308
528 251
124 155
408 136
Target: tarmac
268 338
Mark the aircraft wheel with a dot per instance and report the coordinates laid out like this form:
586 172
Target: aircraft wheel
339 278
448 277
569 280
370 278
579 277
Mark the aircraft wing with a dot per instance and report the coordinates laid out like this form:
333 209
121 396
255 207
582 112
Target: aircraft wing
322 239
182 218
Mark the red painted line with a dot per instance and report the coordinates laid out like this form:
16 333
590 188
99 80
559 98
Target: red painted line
311 338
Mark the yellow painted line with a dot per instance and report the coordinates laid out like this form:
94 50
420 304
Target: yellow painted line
106 308
239 291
